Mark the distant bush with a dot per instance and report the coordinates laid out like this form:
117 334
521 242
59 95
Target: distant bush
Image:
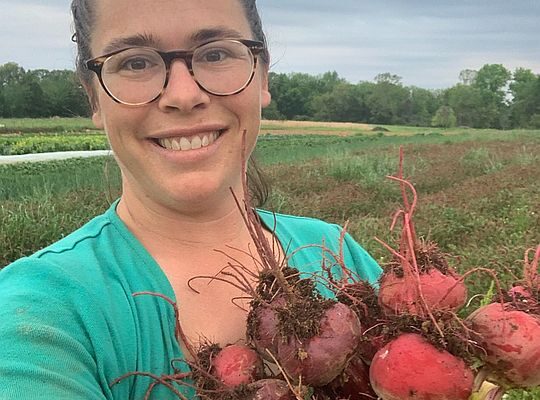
445 117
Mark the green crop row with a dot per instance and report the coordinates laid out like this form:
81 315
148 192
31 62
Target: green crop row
33 125
27 144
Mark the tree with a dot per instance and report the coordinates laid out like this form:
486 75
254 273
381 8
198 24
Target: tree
387 77
444 117
387 102
10 76
524 103
271 112
65 95
343 104
293 94
466 101
421 106
492 78
468 76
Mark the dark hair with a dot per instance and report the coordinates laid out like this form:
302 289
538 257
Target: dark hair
83 20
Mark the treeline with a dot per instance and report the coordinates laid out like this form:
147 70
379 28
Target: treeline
40 93
492 97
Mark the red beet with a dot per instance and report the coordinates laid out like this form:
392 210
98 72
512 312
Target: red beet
236 364
271 389
511 340
440 292
266 330
409 367
353 383
320 359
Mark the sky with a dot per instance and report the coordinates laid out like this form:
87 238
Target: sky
426 42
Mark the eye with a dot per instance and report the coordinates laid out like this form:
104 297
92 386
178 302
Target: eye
214 55
136 64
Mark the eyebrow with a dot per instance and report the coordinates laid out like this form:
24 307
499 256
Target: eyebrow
148 40
215 33
140 39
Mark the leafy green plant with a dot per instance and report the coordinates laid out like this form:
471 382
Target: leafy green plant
481 161
29 144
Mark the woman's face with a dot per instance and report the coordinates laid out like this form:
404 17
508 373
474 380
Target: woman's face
153 173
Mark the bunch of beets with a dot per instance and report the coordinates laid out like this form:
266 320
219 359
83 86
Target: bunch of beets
404 339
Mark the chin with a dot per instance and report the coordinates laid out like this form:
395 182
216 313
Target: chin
200 196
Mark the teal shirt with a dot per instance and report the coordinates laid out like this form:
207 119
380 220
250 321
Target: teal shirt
69 324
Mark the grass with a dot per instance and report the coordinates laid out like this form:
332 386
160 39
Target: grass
34 125
479 193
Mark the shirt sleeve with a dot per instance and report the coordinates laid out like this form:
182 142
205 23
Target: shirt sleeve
357 258
45 349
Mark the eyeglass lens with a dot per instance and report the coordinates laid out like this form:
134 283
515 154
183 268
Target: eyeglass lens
138 75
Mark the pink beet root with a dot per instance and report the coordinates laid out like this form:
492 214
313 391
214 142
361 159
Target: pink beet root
265 336
236 364
271 389
322 358
511 339
353 383
440 291
409 367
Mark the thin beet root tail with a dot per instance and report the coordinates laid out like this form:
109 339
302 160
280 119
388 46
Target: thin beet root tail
418 281
525 293
178 331
165 380
531 268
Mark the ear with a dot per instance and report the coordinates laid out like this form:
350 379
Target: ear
266 97
92 99
96 117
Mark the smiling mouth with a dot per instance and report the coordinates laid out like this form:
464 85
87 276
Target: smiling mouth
184 143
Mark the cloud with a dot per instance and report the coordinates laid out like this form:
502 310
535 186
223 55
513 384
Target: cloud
426 42
35 35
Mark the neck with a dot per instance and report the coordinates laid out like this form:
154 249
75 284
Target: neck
158 225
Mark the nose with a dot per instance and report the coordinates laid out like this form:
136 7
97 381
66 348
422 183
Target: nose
182 91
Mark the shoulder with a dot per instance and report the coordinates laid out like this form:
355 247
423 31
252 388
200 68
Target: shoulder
79 242
307 227
100 254
306 237
67 269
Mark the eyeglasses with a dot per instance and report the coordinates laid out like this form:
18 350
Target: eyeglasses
138 75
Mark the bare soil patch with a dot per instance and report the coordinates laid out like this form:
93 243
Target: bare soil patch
313 128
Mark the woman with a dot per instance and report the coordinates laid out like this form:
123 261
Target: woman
70 324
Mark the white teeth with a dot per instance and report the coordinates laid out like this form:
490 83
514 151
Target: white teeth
196 143
185 144
188 143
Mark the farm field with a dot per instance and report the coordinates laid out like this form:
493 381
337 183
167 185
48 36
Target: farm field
479 190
